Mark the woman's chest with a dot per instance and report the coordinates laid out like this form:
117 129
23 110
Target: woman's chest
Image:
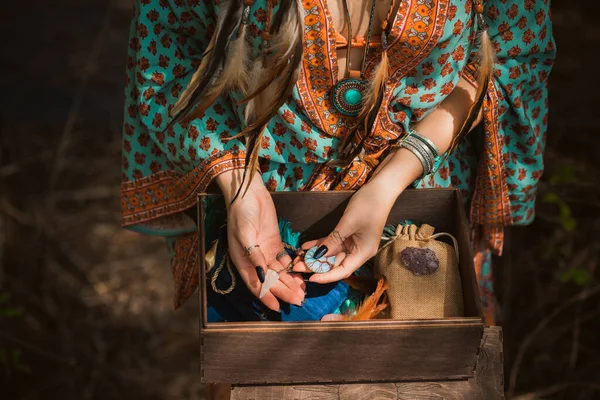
420 35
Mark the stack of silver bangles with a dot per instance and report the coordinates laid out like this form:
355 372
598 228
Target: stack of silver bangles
424 149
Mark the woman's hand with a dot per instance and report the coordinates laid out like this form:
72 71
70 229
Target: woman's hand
252 220
357 236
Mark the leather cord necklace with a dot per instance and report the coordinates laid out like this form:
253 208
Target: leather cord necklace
347 94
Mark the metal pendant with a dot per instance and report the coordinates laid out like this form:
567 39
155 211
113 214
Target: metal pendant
347 96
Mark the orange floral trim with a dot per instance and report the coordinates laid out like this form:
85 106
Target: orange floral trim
326 178
321 179
490 206
169 192
319 69
468 74
407 50
184 267
355 176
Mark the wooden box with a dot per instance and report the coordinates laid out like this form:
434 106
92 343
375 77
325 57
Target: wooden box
360 351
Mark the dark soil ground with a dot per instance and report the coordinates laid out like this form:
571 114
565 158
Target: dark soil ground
85 307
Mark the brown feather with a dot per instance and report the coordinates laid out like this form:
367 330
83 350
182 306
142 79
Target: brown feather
233 76
371 307
287 45
282 46
228 22
375 87
252 165
486 60
235 73
184 99
253 145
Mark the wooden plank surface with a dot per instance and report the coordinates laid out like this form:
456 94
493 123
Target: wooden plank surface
345 354
488 383
369 391
316 392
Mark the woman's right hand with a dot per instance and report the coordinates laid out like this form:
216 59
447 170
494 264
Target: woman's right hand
252 220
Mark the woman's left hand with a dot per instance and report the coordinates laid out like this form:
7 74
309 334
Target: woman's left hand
356 237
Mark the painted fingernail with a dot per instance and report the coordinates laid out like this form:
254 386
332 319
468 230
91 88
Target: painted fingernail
321 251
303 303
261 274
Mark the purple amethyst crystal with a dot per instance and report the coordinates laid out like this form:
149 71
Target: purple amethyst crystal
420 261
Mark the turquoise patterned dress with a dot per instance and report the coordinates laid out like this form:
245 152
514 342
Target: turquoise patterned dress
432 46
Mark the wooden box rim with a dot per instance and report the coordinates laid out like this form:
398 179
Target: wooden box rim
208 330
277 325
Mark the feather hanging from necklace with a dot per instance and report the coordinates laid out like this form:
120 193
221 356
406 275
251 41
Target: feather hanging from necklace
373 97
274 89
219 64
485 61
375 88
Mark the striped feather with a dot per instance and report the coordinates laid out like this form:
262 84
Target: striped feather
184 99
228 22
275 88
373 305
233 76
486 60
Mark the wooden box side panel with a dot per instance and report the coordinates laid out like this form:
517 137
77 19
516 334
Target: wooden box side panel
352 355
470 287
320 213
237 354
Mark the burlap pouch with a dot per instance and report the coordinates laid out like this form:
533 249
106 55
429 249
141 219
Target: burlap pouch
431 296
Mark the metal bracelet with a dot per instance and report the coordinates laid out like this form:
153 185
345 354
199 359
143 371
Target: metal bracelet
427 154
418 154
425 151
426 141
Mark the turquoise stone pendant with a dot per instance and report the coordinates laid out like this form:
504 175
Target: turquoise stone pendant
318 265
347 96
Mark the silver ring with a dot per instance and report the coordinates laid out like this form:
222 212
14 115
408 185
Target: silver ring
281 254
278 272
338 236
249 249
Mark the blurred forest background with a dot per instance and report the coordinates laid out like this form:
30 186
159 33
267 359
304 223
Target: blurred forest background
85 307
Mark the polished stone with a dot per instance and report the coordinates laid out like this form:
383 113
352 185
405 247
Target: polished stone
318 265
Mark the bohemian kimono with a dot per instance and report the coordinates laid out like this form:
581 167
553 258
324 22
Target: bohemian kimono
432 46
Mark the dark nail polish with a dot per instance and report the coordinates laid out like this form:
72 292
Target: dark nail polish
261 274
302 303
321 251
